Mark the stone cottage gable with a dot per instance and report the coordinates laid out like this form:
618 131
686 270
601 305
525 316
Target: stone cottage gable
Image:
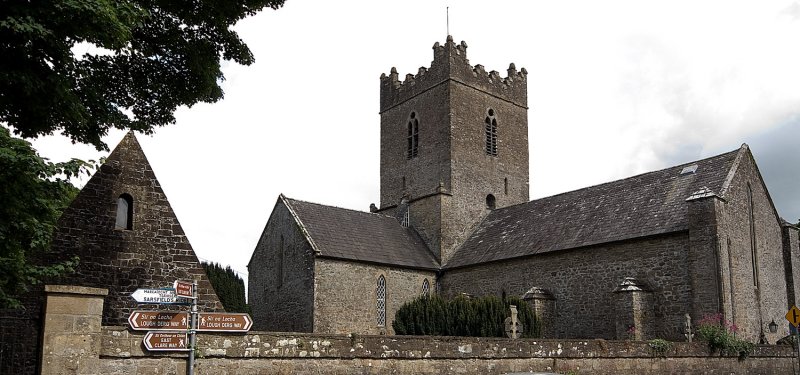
148 249
361 236
648 204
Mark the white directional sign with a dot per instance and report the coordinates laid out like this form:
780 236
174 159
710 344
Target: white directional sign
166 341
224 322
159 295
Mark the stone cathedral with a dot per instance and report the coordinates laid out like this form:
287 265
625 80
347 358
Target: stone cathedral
625 259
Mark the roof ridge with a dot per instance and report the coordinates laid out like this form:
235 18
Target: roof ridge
336 207
626 178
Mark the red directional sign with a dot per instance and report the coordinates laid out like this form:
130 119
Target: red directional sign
158 320
184 289
166 341
222 322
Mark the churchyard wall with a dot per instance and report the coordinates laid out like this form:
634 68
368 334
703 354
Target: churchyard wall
76 343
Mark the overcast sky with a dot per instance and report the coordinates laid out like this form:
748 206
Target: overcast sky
615 88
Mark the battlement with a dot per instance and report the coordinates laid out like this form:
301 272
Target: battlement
450 63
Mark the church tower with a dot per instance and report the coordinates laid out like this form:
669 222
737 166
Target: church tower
454 145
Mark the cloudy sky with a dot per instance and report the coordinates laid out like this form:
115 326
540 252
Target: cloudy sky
615 88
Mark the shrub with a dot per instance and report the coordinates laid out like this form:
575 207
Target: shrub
659 347
462 316
721 336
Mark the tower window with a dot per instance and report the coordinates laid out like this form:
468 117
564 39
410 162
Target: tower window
491 132
490 202
380 296
413 136
124 212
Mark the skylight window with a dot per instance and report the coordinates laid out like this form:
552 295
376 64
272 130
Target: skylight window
689 169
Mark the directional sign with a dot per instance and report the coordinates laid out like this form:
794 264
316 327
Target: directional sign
166 341
159 295
158 320
793 316
184 289
222 322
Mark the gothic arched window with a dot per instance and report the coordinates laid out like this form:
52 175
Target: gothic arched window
413 136
124 212
491 132
426 287
380 296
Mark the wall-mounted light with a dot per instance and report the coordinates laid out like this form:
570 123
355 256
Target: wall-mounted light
773 327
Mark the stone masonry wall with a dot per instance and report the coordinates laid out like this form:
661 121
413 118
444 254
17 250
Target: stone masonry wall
345 299
791 258
266 353
76 344
451 100
583 280
281 279
153 254
754 298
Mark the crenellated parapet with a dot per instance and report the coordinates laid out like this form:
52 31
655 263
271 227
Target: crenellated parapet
450 63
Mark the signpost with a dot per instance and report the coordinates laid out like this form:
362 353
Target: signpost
158 320
186 323
222 322
166 341
185 289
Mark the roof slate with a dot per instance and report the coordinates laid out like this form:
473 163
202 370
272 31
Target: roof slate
647 204
362 236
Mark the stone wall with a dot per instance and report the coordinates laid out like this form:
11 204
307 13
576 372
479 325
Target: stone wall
583 280
281 276
75 343
345 298
754 297
450 101
152 254
791 258
266 353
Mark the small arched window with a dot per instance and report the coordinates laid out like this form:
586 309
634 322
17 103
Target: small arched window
490 202
426 287
491 132
124 212
380 296
413 136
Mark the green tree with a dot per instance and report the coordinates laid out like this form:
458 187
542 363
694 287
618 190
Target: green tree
228 286
149 58
33 193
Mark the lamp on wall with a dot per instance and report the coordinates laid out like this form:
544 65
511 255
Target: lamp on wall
773 327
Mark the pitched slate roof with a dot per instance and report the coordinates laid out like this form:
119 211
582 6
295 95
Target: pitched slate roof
362 236
647 204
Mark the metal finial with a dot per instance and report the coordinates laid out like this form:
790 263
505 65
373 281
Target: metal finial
448 20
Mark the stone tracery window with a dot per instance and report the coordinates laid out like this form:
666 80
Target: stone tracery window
380 294
124 219
413 136
491 132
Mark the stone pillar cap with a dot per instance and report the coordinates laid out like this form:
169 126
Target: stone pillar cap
630 284
537 293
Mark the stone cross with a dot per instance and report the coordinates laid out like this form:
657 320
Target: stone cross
688 330
513 326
